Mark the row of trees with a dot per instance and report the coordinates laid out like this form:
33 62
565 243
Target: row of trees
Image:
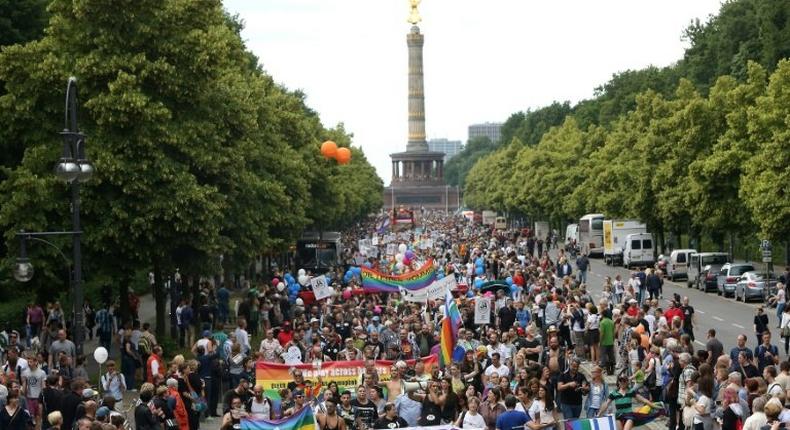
743 31
715 164
198 152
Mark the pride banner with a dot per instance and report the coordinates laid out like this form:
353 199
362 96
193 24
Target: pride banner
302 420
377 282
275 376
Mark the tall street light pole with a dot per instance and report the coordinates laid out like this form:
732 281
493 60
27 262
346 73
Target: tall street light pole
73 168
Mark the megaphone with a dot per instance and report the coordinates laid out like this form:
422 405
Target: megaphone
412 386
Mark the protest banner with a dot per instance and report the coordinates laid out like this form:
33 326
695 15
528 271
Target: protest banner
275 376
482 310
321 288
376 282
392 248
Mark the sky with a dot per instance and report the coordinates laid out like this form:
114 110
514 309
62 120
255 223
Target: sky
483 60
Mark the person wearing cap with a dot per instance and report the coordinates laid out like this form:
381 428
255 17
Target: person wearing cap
313 332
375 325
114 382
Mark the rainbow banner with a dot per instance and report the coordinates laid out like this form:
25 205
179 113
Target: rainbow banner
377 282
275 376
449 333
302 420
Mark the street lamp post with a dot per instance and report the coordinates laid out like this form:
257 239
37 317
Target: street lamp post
73 168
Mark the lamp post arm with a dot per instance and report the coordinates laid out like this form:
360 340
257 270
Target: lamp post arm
38 239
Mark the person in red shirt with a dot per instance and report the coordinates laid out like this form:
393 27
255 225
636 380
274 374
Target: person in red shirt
672 312
286 334
633 308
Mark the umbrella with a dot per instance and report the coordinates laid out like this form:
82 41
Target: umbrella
495 286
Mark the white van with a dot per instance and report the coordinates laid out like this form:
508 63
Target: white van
678 266
638 250
571 234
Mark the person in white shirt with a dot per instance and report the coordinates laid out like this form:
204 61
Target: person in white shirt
496 367
270 347
242 337
471 419
757 419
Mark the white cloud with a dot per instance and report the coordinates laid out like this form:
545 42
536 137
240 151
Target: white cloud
483 59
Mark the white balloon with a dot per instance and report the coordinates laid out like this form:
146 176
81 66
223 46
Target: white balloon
100 355
280 287
399 265
303 280
399 257
301 272
299 302
402 248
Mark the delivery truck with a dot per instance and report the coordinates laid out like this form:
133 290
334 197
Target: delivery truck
614 238
541 229
489 218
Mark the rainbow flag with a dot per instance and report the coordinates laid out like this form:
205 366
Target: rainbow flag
377 282
449 334
603 423
302 420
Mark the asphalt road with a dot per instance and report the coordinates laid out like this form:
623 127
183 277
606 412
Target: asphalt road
728 317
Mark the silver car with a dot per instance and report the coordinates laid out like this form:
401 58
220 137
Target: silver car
753 285
729 275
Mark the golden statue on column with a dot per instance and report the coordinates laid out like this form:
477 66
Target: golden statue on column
414 16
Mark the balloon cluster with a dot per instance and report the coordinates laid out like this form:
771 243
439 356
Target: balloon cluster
403 258
351 273
293 285
329 149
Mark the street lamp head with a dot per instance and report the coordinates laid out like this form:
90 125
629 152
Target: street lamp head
67 170
86 171
23 270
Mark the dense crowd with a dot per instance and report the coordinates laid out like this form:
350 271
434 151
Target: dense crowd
521 367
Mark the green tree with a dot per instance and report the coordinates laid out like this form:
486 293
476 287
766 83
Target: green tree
22 20
457 168
766 182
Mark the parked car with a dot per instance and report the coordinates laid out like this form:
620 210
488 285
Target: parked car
704 267
679 263
728 277
753 285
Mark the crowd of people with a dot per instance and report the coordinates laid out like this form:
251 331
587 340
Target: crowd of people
521 368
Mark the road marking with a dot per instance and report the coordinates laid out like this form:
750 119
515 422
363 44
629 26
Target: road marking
699 343
738 325
701 312
717 318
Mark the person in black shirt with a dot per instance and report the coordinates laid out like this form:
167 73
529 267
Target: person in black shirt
507 316
365 412
144 418
760 324
70 403
390 420
376 345
51 398
571 386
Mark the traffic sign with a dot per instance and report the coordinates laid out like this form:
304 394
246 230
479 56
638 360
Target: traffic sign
767 256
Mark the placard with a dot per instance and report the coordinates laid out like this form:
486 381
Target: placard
482 310
374 241
392 248
321 287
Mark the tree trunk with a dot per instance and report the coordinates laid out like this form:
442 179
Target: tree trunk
160 299
123 294
662 244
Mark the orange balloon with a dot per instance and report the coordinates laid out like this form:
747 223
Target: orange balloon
343 155
329 149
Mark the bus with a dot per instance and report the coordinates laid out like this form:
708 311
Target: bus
591 234
319 252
